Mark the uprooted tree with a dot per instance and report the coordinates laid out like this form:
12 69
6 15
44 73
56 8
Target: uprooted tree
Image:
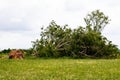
59 41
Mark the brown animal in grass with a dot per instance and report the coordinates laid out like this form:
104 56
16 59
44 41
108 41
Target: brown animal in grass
16 54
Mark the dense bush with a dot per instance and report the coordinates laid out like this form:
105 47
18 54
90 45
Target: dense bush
5 51
88 42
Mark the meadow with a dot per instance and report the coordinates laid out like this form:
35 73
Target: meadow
60 69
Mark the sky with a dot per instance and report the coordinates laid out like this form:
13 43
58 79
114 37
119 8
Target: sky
21 20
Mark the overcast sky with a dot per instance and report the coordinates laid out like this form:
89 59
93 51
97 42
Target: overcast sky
20 20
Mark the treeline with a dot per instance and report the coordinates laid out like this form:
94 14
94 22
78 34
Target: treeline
82 42
5 51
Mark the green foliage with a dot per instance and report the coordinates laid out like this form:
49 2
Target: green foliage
27 52
5 51
96 21
53 42
88 42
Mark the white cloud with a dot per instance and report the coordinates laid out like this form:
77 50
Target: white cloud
15 20
17 40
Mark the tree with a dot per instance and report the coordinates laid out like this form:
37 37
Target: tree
98 45
54 41
96 21
59 41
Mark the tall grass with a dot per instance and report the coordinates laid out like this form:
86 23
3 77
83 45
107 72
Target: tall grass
60 69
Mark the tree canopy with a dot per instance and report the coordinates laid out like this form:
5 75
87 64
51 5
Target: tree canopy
82 42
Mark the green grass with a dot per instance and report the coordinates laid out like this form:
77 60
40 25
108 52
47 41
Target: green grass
60 69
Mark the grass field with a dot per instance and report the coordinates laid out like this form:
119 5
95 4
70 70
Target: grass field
60 69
